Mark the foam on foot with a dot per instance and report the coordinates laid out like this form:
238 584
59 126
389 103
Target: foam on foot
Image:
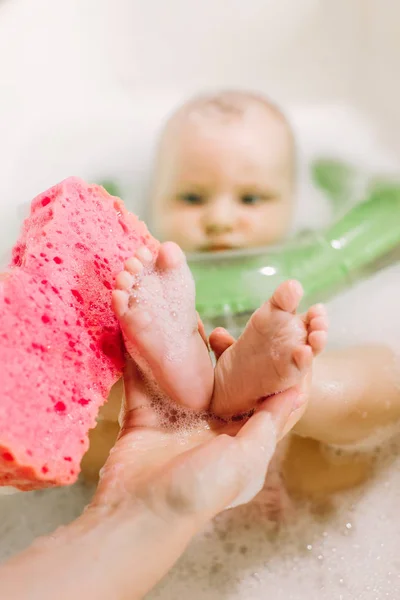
155 303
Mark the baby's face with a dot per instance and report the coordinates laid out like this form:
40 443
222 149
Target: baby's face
224 185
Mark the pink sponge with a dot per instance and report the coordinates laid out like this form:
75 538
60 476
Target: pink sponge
61 348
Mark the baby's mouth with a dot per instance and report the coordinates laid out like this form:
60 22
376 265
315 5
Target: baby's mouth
218 247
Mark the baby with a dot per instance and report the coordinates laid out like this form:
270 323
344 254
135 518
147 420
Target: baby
225 178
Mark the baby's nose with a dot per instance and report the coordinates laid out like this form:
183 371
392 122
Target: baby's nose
219 217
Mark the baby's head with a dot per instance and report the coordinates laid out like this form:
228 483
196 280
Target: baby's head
224 174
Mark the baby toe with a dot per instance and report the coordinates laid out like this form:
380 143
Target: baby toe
124 281
317 340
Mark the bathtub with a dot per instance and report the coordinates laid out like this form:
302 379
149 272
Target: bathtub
351 552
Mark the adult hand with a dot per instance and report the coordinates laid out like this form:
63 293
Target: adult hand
196 473
157 490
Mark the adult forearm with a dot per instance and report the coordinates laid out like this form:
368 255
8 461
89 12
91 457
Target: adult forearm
114 553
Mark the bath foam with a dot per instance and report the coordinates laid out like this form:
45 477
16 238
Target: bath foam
61 347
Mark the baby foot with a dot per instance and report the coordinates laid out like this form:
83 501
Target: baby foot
155 304
274 352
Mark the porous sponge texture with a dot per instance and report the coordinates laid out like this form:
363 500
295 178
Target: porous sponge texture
61 348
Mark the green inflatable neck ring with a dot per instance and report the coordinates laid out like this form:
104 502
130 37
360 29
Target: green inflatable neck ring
326 262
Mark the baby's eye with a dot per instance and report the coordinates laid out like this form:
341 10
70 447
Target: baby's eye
192 199
251 199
